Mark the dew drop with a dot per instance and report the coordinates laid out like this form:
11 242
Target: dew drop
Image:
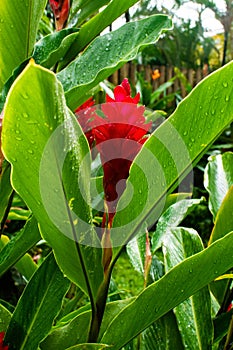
30 151
225 85
227 98
25 96
19 138
25 115
185 133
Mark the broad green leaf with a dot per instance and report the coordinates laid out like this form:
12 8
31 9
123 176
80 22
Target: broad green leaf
38 306
5 317
44 143
171 151
18 26
165 294
15 249
172 218
85 8
94 26
224 218
163 335
111 51
76 331
223 225
6 192
53 47
218 179
194 314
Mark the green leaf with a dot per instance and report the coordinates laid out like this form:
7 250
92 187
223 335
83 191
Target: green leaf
224 218
169 291
194 314
85 8
136 250
47 149
221 325
94 26
111 51
76 331
172 218
53 47
5 317
172 150
223 225
37 307
163 334
218 179
18 26
15 249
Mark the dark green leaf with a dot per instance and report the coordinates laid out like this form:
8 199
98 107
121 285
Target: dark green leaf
97 24
169 291
111 51
38 306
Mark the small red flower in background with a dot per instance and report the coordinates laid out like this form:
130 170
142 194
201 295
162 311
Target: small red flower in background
119 136
2 346
61 9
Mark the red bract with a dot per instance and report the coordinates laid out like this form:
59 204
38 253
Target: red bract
2 346
60 10
118 136
122 94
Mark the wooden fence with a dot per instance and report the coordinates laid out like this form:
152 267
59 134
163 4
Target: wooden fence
166 72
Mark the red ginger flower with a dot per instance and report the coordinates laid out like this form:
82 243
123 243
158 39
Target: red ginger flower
61 9
119 136
2 346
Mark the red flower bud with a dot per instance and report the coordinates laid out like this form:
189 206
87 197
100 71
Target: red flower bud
61 9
